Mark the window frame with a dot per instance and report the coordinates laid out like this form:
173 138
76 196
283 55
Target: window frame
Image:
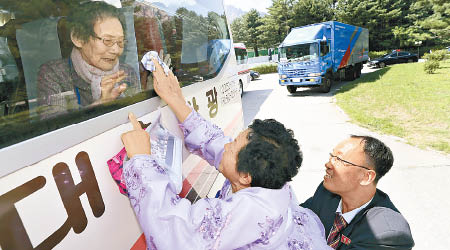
36 149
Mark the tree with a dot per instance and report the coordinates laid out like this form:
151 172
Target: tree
238 30
252 21
379 16
246 29
277 24
312 11
413 31
439 22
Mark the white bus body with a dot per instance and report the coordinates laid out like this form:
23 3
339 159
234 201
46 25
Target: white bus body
55 187
243 69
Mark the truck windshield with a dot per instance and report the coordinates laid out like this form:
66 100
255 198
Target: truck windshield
300 52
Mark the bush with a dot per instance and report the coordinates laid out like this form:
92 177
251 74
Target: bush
266 69
437 55
431 66
376 54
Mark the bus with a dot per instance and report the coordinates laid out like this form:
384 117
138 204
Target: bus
56 191
243 69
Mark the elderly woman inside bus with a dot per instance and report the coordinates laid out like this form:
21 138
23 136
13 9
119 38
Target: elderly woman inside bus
92 74
255 209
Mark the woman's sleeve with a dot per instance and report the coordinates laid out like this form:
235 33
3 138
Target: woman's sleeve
50 96
203 138
171 222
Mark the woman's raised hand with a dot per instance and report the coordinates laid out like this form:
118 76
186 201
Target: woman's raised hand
108 91
168 88
136 141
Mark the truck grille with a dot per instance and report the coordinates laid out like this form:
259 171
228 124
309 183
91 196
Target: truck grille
295 72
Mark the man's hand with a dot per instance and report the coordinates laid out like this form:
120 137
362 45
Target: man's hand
136 141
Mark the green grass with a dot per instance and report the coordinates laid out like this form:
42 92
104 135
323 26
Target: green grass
404 101
266 69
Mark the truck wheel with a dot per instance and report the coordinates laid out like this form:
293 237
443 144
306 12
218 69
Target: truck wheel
410 60
350 74
358 72
327 81
382 65
292 89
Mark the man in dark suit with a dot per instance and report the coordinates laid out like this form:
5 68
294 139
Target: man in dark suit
355 214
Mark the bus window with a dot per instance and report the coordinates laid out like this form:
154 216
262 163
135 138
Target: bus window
241 55
45 85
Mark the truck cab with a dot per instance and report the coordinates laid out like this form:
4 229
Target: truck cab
303 64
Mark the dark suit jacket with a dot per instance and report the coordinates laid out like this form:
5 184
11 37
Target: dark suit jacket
378 226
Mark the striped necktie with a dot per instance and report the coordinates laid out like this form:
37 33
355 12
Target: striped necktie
334 236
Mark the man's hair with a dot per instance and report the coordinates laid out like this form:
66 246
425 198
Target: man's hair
379 155
82 19
272 156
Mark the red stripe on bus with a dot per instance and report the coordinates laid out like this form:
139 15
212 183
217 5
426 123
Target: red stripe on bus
192 177
140 244
244 72
187 186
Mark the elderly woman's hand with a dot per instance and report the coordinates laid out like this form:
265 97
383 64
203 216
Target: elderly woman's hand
168 88
136 141
108 90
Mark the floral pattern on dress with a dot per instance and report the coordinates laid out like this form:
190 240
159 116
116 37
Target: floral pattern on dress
270 228
301 220
294 244
151 244
175 200
212 132
134 180
212 224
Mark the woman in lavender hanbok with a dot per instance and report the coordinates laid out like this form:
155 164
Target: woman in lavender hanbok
256 208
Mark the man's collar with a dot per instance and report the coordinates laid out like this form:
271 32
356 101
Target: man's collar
348 217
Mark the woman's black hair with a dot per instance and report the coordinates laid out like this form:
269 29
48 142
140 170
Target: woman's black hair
272 156
82 19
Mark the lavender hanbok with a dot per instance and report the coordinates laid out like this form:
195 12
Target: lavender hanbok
252 218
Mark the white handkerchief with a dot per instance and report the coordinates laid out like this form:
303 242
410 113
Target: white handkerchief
150 66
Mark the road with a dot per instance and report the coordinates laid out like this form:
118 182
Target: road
418 183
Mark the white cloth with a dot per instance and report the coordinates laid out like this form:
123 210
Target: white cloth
150 66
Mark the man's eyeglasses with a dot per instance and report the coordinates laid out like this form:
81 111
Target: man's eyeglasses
335 160
110 42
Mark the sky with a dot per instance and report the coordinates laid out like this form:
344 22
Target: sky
246 5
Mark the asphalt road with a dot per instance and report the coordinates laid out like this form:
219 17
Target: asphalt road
418 183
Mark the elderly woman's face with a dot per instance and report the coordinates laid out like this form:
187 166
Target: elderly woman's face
228 164
95 52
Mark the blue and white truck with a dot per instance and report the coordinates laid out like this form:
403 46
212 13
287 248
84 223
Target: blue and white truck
317 54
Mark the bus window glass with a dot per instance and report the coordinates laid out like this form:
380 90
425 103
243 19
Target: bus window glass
55 71
241 55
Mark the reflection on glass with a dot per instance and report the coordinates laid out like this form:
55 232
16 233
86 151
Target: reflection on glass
241 55
92 74
54 57
195 40
300 52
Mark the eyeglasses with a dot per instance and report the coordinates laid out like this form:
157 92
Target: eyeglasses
335 160
110 42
